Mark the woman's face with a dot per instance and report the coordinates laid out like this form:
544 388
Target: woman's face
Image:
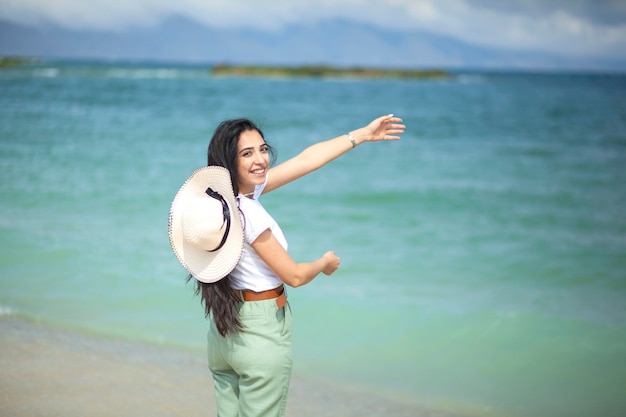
253 160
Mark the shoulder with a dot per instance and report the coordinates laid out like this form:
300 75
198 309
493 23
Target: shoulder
249 205
254 218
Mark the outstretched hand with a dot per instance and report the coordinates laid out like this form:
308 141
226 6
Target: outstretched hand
384 128
332 262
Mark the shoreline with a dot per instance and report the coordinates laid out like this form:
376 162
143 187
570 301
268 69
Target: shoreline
51 372
323 71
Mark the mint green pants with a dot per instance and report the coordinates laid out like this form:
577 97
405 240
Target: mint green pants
251 369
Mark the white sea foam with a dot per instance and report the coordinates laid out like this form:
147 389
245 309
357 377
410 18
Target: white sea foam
46 72
470 78
145 73
6 311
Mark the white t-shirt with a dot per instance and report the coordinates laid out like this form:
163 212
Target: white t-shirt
251 273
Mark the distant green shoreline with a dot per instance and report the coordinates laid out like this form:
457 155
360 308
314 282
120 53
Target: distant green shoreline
324 72
311 71
6 61
10 61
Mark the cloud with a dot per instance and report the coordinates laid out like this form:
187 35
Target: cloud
568 27
599 12
536 25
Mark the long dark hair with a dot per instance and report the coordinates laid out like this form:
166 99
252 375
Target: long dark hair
218 297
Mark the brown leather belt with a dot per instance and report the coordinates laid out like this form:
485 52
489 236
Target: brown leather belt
278 293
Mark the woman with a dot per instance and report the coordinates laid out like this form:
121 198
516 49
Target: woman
243 290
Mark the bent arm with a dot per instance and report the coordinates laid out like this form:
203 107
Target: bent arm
292 273
321 153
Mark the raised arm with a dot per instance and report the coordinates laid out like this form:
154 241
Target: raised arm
321 153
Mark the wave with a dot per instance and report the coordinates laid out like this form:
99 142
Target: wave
112 72
6 311
46 72
470 78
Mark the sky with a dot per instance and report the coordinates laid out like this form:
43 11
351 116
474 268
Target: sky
567 27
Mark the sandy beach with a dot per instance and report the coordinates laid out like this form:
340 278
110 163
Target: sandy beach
50 372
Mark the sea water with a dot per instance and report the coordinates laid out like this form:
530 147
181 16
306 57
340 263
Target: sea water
483 255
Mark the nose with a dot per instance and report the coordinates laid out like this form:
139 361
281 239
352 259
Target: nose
258 157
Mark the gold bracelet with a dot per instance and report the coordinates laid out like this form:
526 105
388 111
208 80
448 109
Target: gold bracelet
351 140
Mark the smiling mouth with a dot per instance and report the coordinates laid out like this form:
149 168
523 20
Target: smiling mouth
259 171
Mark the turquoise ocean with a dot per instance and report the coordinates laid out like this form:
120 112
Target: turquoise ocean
483 255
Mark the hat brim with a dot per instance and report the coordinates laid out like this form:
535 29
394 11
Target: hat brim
203 265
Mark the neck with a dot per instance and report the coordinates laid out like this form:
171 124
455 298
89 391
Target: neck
247 194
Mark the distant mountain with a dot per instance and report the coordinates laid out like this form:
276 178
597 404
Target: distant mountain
334 42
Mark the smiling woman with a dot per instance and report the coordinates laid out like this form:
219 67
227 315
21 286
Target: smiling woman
250 354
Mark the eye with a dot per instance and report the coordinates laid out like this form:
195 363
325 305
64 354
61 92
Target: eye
265 148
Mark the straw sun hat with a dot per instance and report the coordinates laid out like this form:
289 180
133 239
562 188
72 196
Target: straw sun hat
204 226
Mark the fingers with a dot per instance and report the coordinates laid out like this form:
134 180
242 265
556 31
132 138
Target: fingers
393 124
390 118
394 129
386 127
333 263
